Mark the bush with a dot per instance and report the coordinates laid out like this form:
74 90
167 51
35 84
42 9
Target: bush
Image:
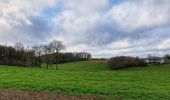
125 62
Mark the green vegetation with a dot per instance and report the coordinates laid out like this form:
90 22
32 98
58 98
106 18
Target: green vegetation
88 78
125 62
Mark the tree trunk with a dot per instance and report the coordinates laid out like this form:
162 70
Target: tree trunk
57 60
39 61
47 62
56 66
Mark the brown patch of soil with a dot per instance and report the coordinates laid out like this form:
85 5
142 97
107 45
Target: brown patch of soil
28 95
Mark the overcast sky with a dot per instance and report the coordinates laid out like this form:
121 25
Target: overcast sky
103 27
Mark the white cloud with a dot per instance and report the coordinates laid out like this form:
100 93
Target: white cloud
85 6
121 44
74 27
164 45
18 13
93 23
135 15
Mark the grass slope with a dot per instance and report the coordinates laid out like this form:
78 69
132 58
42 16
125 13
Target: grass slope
80 66
86 78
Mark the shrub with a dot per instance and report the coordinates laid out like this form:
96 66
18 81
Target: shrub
125 62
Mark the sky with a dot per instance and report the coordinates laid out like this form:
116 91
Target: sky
105 28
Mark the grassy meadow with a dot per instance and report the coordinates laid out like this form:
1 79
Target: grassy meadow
91 79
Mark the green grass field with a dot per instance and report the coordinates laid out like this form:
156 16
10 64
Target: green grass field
91 79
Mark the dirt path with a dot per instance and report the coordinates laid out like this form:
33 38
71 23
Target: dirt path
27 95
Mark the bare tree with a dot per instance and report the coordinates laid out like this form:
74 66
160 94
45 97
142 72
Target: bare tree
19 48
38 52
56 46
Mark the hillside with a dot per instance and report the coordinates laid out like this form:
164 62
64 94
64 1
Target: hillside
91 79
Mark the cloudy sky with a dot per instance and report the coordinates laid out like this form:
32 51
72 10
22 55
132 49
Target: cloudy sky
103 27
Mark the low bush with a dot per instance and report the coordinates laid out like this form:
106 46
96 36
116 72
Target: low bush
125 62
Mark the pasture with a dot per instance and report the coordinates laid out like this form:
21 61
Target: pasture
91 79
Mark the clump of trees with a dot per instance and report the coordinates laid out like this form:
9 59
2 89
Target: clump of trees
167 58
125 62
18 55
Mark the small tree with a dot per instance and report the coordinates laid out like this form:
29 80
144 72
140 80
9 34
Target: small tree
38 49
56 46
167 56
30 58
89 56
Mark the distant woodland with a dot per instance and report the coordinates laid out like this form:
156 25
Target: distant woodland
38 54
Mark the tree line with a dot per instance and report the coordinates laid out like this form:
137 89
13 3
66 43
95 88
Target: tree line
18 55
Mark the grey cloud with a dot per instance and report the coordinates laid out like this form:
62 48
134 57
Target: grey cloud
130 27
39 30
